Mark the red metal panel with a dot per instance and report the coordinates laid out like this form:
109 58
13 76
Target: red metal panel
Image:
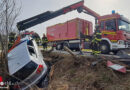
87 28
72 29
69 30
90 28
56 32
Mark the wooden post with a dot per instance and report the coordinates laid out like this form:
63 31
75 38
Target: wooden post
69 51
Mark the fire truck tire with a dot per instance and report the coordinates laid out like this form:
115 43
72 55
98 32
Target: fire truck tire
115 52
66 44
105 47
58 47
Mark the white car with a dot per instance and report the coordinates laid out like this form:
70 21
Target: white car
26 63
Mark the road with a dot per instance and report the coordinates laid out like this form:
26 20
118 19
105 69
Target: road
85 53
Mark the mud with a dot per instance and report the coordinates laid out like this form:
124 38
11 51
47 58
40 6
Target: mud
82 76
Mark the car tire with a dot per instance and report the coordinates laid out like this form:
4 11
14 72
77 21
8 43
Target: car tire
104 47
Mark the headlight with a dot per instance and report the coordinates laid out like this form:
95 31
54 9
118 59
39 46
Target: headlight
121 42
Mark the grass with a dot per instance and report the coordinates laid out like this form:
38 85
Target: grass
84 77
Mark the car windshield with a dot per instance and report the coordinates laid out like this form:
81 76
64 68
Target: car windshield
123 25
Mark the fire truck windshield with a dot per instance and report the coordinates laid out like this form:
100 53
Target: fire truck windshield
123 25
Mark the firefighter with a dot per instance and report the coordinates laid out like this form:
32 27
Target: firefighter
44 42
11 39
38 41
37 38
95 43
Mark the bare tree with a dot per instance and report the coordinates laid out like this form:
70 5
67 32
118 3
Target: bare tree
8 15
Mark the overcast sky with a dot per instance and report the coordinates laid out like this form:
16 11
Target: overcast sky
33 7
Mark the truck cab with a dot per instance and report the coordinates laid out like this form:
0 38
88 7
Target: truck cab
115 30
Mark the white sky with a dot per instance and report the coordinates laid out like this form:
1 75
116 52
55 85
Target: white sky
34 7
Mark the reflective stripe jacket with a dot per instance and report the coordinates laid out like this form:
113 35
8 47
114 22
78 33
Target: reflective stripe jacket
97 36
44 40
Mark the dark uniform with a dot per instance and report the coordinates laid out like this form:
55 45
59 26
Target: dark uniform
44 42
11 40
96 42
37 41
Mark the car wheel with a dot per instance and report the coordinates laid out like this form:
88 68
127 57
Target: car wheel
105 48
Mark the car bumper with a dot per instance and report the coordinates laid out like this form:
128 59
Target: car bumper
33 80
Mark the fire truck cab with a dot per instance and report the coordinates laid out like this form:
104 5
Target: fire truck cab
115 30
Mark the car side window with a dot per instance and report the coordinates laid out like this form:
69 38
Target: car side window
30 43
110 25
31 48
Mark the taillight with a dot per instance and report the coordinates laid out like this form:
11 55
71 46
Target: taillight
39 69
1 81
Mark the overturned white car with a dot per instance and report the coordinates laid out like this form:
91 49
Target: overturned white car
25 62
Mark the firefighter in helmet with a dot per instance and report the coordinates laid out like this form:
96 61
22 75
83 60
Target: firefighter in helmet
96 40
11 39
44 42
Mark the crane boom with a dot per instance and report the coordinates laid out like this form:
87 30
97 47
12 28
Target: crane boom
22 25
91 12
25 24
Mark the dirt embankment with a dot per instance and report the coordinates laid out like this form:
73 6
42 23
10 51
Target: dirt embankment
82 76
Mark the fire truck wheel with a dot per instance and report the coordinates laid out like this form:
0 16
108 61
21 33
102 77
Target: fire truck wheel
66 44
115 52
58 47
104 47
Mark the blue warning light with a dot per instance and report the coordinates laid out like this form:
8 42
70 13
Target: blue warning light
113 11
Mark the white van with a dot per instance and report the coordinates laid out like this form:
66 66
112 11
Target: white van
26 63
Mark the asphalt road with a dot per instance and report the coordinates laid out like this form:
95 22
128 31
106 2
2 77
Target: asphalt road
84 53
89 54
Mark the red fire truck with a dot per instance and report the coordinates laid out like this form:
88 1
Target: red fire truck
115 28
69 33
115 33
